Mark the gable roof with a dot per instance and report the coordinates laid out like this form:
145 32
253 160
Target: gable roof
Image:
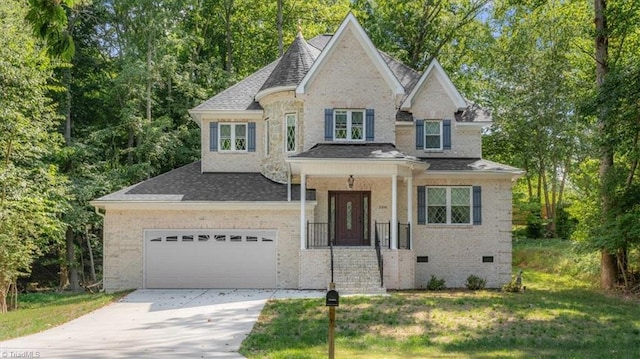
350 23
436 69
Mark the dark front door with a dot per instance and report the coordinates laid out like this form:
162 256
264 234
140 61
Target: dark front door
350 214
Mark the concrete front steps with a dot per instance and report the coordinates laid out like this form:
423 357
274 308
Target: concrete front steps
356 271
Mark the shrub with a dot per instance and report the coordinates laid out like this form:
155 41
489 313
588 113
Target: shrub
475 282
515 286
436 284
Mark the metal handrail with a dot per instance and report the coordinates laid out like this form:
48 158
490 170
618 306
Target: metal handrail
379 254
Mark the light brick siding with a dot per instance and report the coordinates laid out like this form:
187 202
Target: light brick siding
348 79
232 161
465 142
456 251
124 231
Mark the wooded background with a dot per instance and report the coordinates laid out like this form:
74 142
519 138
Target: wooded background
94 97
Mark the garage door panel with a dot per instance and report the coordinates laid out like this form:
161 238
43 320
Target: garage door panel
220 259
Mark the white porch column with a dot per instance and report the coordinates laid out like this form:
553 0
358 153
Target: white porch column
303 212
410 209
394 212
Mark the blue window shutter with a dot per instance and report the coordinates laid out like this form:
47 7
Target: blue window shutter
370 124
422 205
213 136
252 137
446 134
477 205
419 134
328 124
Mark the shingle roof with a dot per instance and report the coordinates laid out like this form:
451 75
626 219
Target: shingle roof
240 96
187 183
467 164
352 150
294 64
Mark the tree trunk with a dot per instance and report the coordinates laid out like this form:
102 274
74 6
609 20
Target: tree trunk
71 260
608 263
228 36
279 25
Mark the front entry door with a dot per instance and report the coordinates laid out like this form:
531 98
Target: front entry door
350 217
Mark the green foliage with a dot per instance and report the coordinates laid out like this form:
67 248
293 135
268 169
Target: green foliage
33 193
475 283
436 284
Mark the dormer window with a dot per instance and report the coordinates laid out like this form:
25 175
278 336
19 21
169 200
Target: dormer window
348 125
433 135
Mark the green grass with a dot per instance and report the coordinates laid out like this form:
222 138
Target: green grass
561 315
40 311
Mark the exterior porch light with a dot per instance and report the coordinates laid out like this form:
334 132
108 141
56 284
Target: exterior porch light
350 181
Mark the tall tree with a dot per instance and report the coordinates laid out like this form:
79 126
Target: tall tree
32 192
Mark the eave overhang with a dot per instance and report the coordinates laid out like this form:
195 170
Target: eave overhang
199 115
163 205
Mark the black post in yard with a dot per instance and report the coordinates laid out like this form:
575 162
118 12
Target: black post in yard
333 300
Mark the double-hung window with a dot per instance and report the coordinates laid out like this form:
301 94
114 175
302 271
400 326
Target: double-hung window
233 137
432 135
290 131
349 125
449 205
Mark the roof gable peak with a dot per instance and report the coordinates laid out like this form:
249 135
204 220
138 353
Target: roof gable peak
351 23
436 69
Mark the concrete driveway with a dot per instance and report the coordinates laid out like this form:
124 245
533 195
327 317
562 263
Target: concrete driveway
190 323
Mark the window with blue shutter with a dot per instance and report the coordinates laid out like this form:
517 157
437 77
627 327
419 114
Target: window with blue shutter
213 136
422 205
419 134
252 137
446 135
477 205
370 124
328 124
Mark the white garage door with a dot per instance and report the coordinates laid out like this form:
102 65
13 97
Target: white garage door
210 259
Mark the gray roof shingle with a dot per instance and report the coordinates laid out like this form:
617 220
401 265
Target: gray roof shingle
189 184
293 65
467 164
352 150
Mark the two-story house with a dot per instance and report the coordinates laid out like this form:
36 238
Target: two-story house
333 143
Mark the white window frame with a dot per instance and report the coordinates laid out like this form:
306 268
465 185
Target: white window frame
349 114
286 132
266 137
440 123
233 136
448 205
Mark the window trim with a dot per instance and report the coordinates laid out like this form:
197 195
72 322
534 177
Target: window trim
286 132
349 113
440 134
448 206
233 136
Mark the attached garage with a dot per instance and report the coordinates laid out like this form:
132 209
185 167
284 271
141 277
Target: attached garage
210 258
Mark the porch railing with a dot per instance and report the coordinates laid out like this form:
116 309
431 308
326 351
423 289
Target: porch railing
404 235
317 235
383 231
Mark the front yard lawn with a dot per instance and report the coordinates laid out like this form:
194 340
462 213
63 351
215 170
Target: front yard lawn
558 316
39 311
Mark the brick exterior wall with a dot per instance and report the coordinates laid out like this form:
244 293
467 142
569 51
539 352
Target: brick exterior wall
348 80
231 161
456 251
465 142
124 234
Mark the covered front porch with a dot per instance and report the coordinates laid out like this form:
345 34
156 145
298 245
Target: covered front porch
365 206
